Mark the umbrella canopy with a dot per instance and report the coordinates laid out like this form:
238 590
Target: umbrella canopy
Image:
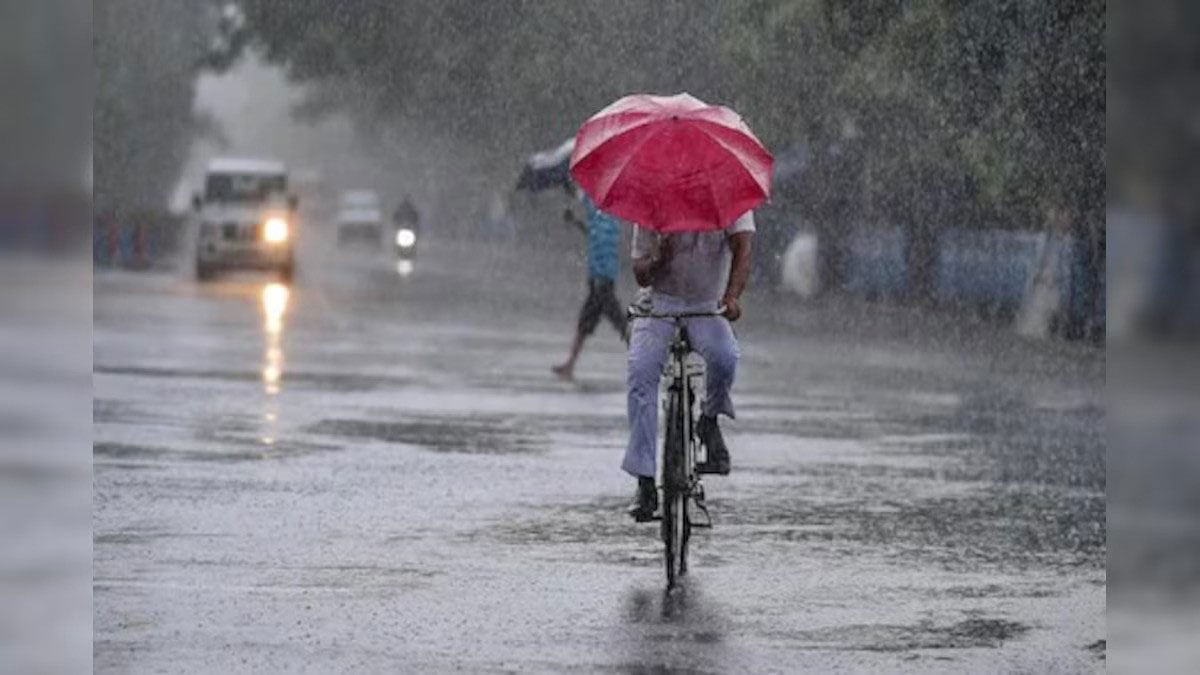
671 163
547 169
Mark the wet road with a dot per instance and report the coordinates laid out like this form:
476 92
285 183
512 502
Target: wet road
376 472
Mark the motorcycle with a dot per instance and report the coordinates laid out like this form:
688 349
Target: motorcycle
404 245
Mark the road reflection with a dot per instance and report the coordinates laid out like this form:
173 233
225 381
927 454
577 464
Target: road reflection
275 298
404 267
673 632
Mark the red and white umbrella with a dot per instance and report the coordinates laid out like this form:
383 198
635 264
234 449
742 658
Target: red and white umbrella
671 163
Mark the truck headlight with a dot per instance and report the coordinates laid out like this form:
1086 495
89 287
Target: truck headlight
275 230
405 238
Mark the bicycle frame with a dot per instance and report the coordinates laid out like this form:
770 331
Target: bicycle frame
681 387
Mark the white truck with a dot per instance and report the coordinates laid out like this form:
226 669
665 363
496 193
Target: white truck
247 219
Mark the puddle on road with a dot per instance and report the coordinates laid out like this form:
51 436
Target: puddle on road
1017 443
130 452
338 382
479 435
580 523
998 527
971 633
596 530
862 470
800 427
996 591
679 632
537 383
995 526
591 427
991 482
357 577
108 410
134 536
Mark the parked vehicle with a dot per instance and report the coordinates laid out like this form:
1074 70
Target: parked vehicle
359 219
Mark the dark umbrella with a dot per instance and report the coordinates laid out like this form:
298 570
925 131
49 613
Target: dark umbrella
547 169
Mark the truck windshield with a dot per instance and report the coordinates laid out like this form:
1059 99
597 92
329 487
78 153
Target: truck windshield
243 187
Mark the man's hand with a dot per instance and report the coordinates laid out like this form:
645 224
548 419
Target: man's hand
665 250
733 311
740 244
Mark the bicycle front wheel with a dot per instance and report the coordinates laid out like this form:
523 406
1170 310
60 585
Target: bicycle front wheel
675 526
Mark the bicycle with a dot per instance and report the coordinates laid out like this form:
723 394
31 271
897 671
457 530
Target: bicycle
681 483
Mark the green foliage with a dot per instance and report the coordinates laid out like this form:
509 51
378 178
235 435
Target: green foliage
147 55
951 112
510 76
1007 95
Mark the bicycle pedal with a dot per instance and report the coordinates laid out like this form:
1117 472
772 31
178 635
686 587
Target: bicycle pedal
702 508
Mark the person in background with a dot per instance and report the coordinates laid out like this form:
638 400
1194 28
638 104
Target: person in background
603 239
406 216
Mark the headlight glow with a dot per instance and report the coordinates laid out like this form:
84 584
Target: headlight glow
405 238
275 230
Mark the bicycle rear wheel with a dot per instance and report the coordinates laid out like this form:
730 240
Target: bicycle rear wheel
676 526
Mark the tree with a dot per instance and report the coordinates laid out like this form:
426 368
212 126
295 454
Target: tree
147 56
925 113
511 76
964 113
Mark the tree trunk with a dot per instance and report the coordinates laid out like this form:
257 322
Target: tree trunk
920 260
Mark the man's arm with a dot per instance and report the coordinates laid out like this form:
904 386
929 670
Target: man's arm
740 244
648 268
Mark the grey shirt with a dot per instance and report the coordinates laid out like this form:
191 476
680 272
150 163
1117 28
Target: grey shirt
699 268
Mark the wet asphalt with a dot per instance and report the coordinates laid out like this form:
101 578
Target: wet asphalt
371 471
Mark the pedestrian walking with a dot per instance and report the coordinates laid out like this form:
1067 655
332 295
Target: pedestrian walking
603 239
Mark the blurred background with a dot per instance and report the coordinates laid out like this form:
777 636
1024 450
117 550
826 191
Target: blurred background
941 190
903 162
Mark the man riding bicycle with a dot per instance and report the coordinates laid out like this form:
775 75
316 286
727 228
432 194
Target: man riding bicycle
685 272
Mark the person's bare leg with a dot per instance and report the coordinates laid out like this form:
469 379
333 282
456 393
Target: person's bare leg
616 316
566 370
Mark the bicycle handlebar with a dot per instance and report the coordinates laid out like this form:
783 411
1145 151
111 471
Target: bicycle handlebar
635 312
